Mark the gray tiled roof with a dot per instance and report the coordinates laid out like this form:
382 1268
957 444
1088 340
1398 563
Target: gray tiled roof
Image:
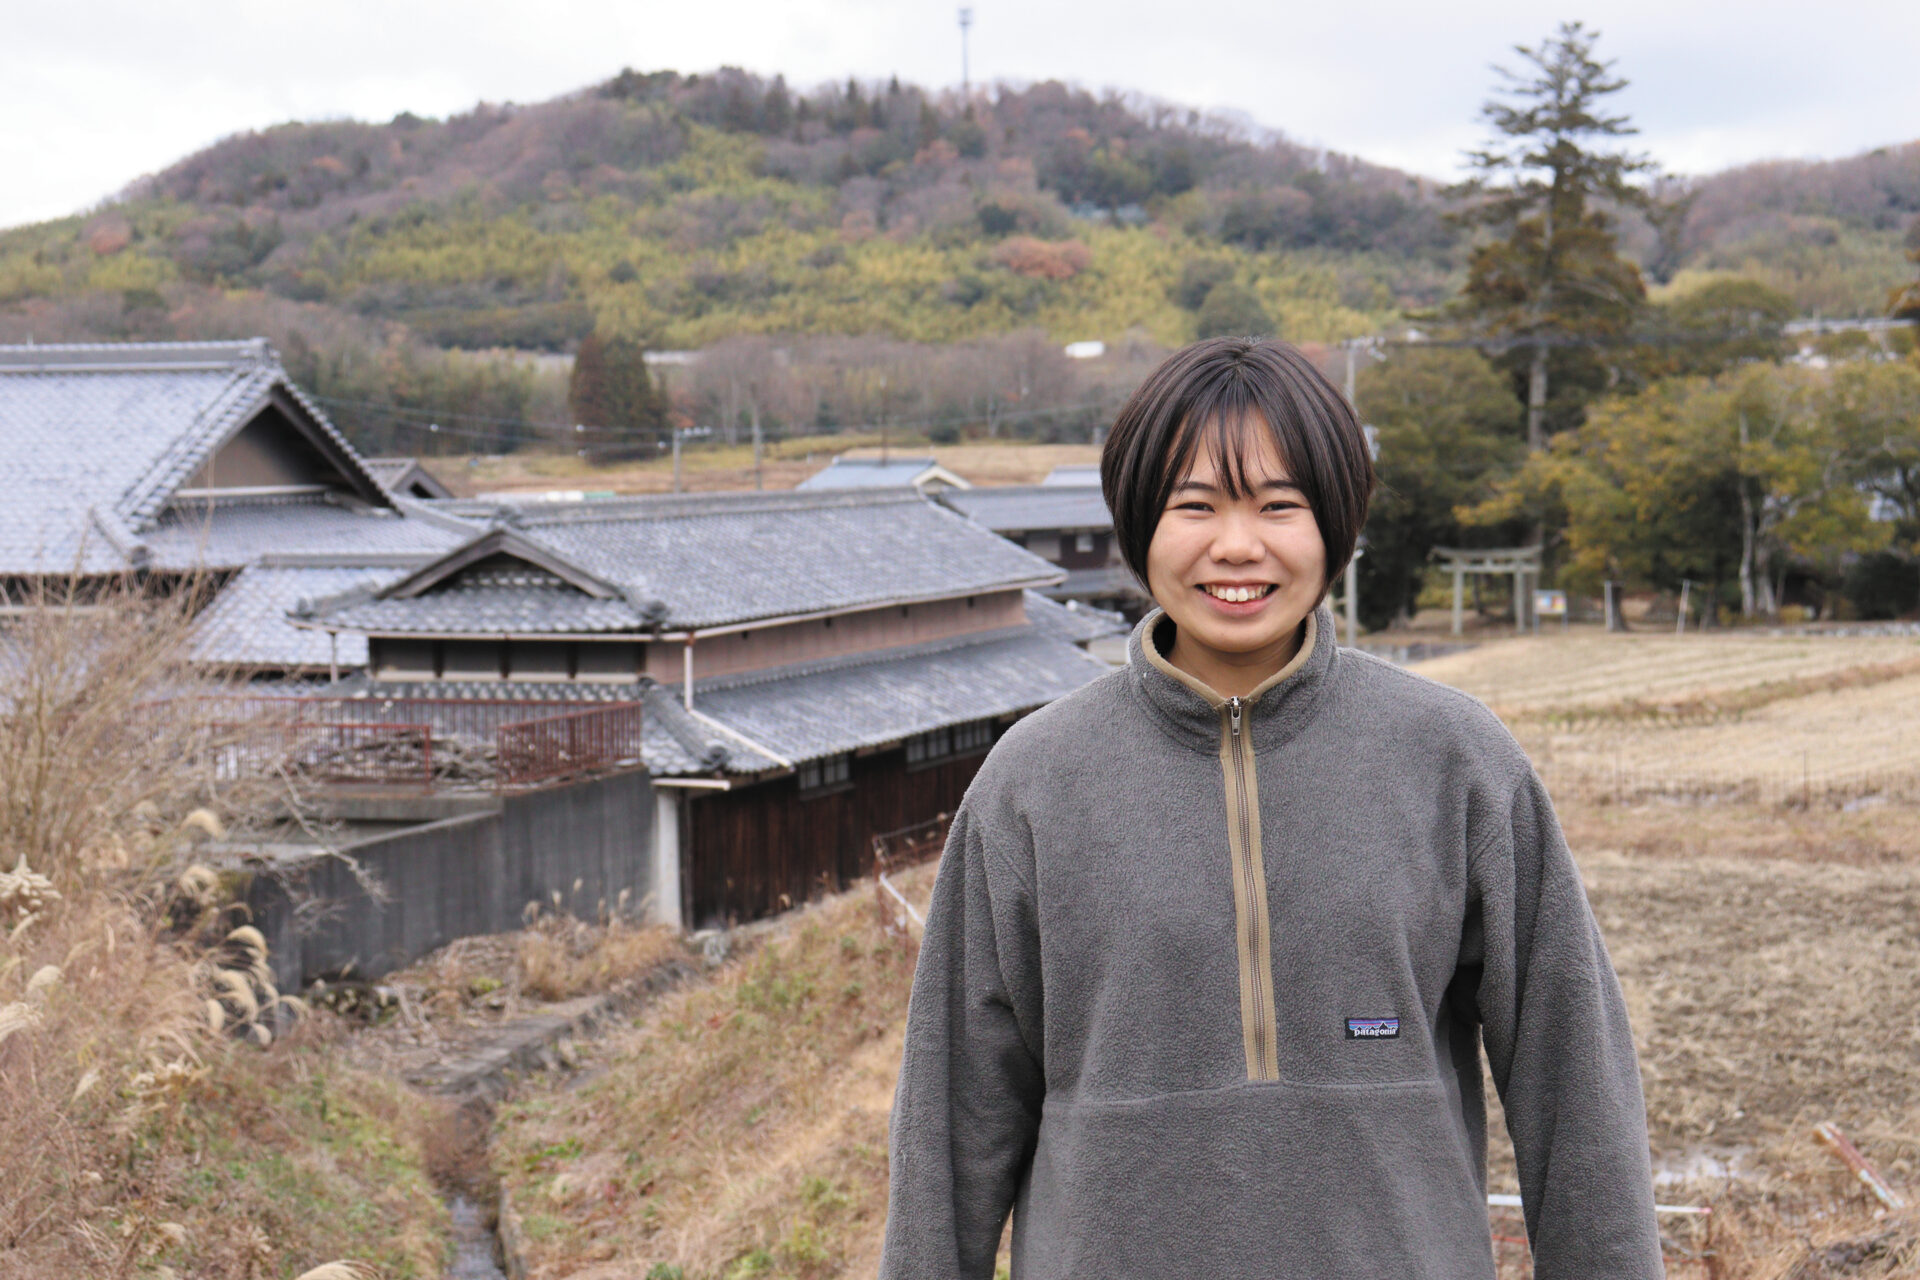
867 473
805 713
95 439
1109 580
466 607
1074 621
717 559
397 475
1016 508
247 625
233 532
1073 475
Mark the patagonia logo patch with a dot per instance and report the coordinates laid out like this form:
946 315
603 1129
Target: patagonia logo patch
1373 1028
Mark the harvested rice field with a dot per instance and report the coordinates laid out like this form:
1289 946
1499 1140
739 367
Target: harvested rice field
1780 720
1589 671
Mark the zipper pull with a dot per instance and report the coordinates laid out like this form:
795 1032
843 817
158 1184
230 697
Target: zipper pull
1233 715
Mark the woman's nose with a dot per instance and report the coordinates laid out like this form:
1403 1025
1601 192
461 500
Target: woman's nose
1237 541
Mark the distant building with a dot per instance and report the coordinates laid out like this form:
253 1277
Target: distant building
408 477
1066 524
164 462
923 474
1074 476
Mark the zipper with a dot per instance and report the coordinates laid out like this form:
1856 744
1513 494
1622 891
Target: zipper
1250 894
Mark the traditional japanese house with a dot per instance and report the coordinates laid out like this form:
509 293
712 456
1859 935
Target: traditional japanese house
814 668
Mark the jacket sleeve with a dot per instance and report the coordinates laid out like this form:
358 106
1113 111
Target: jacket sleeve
1561 1053
967 1107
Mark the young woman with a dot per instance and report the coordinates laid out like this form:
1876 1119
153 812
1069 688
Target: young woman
1217 939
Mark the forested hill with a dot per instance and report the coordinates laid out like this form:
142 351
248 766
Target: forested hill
683 209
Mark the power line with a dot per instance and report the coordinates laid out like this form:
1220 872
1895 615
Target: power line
428 421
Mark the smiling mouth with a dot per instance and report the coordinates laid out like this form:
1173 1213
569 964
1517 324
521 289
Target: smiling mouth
1239 594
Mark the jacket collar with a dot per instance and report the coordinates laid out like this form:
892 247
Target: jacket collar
1277 710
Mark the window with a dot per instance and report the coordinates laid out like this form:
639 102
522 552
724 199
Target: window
922 747
818 775
1083 543
950 740
975 735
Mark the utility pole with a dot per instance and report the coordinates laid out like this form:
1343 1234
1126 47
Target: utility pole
1353 561
966 78
756 446
679 434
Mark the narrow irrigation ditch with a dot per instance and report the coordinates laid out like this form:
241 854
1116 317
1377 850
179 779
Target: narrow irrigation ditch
469 1078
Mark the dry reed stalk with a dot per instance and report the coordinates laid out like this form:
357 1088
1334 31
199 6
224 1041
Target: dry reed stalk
118 1098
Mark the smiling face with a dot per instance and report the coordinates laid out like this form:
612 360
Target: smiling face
1237 574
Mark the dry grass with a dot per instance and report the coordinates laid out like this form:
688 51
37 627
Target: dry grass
1767 994
454 999
1741 807
1807 721
784 465
139 1137
739 1129
1587 671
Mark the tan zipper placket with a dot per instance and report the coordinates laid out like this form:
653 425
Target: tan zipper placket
1255 944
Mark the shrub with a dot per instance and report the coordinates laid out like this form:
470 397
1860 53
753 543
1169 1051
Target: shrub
1884 584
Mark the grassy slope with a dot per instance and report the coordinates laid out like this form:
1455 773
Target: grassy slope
739 1129
137 1140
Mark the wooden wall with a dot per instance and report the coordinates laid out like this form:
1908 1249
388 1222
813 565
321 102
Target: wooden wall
761 849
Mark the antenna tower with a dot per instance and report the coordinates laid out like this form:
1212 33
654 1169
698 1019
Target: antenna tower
966 80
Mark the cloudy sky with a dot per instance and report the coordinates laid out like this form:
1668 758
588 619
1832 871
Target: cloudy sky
94 93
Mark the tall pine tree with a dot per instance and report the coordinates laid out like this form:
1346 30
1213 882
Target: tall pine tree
1552 281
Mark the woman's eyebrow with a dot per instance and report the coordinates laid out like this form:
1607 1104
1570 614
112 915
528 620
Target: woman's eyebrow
1201 486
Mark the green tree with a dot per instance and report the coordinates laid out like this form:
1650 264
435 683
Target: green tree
1874 409
610 388
1232 310
1718 326
1721 481
1552 280
1198 276
1445 420
1904 303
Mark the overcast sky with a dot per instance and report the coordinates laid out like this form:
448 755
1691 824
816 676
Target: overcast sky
95 93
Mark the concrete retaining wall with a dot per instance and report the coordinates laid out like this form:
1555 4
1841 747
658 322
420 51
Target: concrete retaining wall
455 877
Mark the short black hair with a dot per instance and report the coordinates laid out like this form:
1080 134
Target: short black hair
1207 391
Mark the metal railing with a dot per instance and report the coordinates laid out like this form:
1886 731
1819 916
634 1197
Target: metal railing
420 742
474 719
384 754
896 851
573 742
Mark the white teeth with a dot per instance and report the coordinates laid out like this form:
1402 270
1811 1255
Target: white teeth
1235 595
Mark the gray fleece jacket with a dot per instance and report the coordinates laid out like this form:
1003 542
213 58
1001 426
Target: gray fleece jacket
1204 985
